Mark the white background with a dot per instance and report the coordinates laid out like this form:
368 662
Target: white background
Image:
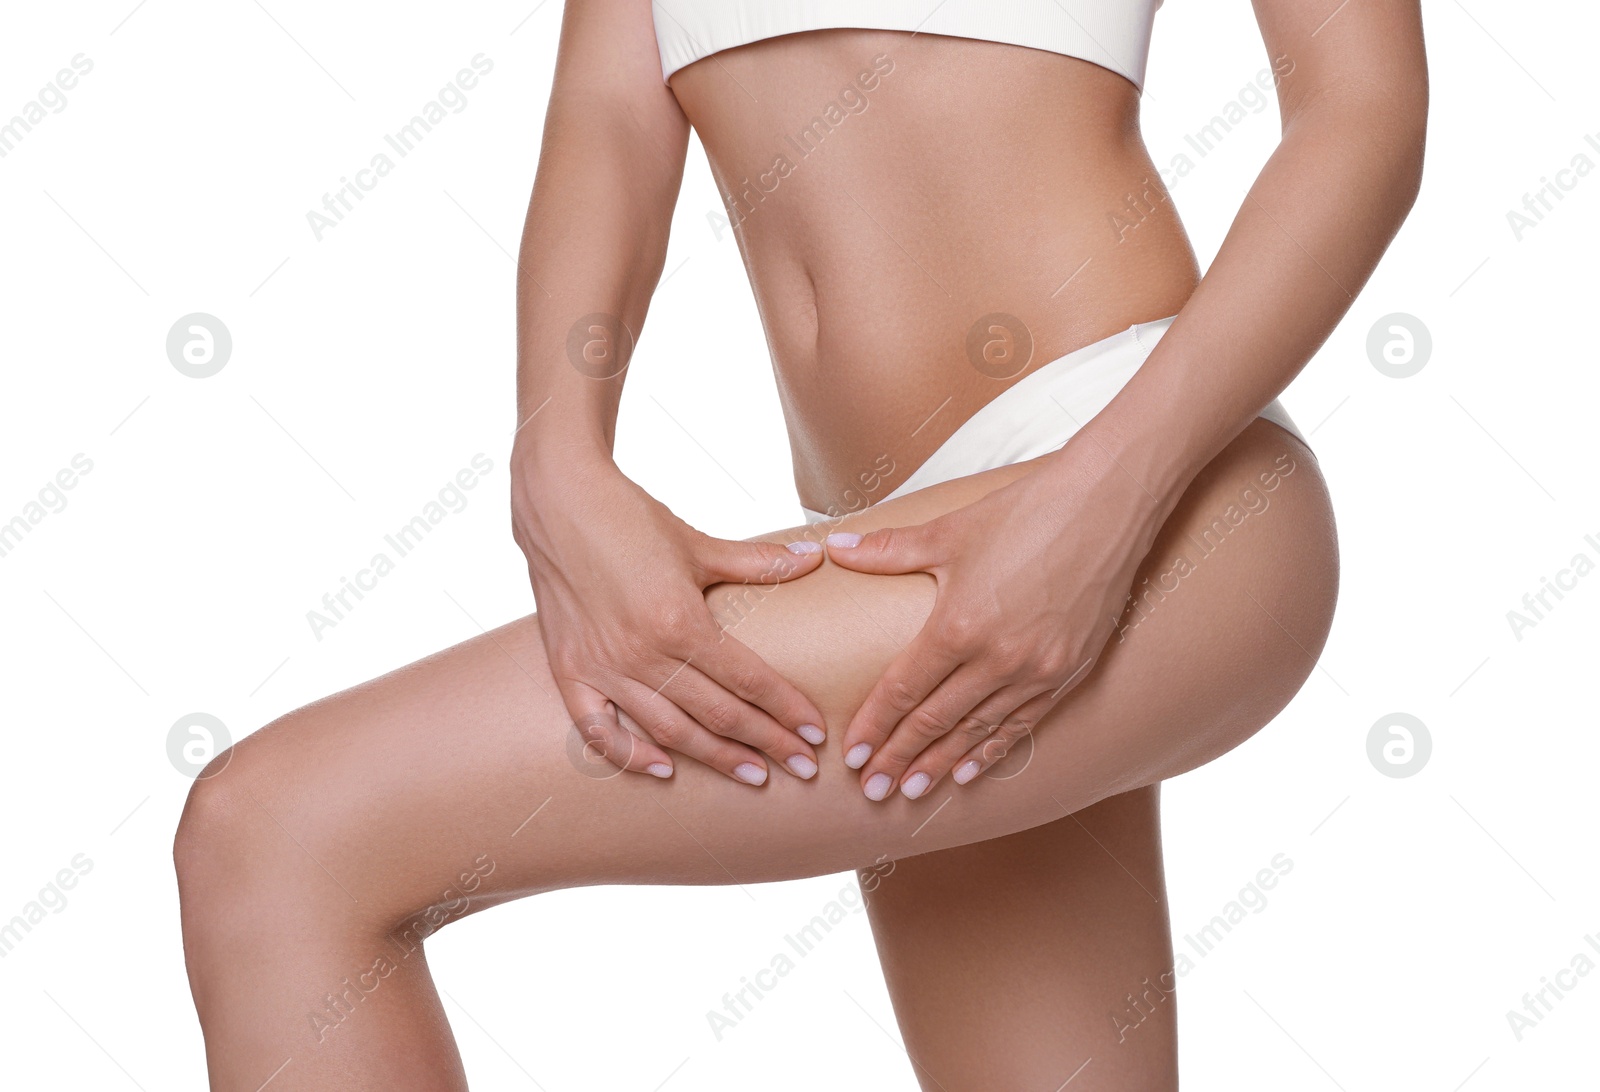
370 366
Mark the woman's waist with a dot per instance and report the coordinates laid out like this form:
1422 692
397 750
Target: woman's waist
879 385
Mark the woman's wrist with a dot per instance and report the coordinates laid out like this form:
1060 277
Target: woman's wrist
552 462
1129 482
1160 431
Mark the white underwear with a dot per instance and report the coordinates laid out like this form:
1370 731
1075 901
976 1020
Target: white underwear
1041 411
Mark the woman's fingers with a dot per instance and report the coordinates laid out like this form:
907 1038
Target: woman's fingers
687 704
732 665
728 662
722 560
887 550
602 743
676 730
962 728
693 689
991 720
948 706
909 678
1013 732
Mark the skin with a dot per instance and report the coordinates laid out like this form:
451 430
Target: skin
1055 555
1008 925
868 304
316 842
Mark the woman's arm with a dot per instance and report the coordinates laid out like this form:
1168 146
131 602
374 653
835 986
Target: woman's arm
1033 577
618 578
1324 209
595 239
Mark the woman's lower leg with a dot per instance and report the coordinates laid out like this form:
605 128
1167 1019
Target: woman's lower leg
1010 961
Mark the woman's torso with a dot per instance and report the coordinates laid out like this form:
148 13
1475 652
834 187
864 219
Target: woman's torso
914 211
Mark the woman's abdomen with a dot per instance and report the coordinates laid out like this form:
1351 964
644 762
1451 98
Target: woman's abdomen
968 213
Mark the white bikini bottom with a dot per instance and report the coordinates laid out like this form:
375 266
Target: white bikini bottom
1040 412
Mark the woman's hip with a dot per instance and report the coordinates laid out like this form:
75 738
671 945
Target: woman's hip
1041 412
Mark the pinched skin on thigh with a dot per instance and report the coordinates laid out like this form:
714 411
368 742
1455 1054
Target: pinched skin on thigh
393 789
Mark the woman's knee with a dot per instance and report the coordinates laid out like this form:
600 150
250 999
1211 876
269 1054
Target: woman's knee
330 815
250 851
228 849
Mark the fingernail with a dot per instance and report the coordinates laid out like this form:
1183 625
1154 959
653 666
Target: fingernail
812 734
801 766
658 769
856 757
967 772
805 546
750 773
916 785
877 786
844 539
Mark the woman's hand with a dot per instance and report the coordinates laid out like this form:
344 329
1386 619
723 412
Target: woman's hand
1031 578
619 582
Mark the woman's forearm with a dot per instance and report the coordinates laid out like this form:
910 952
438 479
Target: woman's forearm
1308 236
593 248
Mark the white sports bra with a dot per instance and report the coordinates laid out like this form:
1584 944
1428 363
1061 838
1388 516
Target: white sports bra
1114 34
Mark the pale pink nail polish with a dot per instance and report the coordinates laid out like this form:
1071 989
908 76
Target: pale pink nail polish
812 734
844 540
878 786
915 785
857 756
750 773
967 772
801 766
658 769
805 546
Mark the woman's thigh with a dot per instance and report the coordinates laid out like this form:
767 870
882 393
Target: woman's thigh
382 800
